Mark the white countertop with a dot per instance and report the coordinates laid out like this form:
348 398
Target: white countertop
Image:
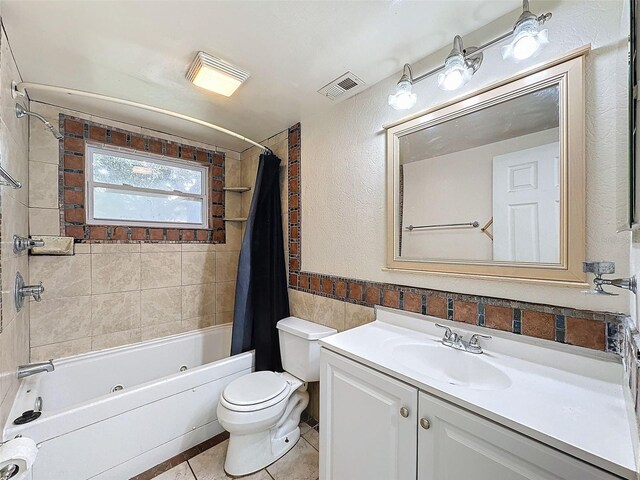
567 397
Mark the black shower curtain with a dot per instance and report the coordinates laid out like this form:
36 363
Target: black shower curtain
261 290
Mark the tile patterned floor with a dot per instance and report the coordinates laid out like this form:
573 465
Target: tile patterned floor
300 463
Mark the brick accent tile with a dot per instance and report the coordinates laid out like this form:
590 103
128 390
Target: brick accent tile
293 201
74 144
217 172
466 312
437 306
293 279
355 291
219 236
412 302
294 169
341 289
293 248
118 139
327 285
73 179
500 318
315 283
156 234
120 233
187 153
294 233
155 146
201 156
74 215
304 281
217 197
74 162
73 126
294 264
74 197
585 333
218 159
202 235
172 235
75 232
538 324
217 210
97 233
137 142
188 235
391 298
138 233
171 150
98 134
372 295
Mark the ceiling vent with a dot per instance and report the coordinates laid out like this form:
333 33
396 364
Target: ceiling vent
342 87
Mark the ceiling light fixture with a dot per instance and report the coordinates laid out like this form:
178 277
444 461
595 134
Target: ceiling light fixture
403 98
215 75
526 41
459 66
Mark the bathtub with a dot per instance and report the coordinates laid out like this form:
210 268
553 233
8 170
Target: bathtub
116 413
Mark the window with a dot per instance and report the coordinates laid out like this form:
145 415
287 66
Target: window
126 188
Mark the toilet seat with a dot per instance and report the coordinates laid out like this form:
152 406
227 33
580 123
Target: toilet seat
256 391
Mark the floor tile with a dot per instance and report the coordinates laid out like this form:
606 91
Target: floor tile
301 463
312 437
179 472
209 465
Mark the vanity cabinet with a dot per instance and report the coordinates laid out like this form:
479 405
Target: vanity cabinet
375 427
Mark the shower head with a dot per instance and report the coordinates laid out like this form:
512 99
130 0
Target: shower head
21 112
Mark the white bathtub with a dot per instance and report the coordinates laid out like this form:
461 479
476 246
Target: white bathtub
88 431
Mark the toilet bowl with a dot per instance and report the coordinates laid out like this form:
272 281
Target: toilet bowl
261 410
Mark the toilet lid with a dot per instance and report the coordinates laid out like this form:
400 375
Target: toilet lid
255 388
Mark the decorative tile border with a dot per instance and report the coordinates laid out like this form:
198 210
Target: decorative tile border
595 330
77 132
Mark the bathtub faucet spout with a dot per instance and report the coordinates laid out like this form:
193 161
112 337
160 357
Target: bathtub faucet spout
33 368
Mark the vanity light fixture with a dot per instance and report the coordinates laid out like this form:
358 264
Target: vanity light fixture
526 41
459 66
404 99
215 75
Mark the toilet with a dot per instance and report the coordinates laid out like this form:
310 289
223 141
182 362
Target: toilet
261 410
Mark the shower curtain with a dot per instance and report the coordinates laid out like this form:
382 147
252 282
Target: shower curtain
261 289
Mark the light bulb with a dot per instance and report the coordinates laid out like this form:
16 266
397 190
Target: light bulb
456 73
527 41
403 99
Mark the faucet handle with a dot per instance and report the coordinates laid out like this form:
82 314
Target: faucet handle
447 331
473 341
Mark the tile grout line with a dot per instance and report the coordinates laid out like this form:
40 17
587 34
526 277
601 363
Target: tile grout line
191 468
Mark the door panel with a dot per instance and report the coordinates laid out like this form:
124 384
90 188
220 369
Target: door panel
460 445
363 435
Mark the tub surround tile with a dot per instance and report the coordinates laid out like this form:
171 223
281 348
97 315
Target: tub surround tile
199 247
161 305
198 300
60 350
115 272
105 248
163 330
160 270
226 266
225 296
198 267
115 312
160 247
60 320
116 339
199 322
44 221
63 276
43 183
224 317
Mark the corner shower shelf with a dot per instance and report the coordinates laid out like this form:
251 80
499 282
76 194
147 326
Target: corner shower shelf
235 219
236 189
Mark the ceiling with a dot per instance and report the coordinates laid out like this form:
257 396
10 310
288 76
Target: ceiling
141 50
523 115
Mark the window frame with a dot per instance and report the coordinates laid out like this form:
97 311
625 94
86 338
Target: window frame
91 185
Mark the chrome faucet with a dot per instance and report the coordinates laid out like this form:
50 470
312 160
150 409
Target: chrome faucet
455 340
33 368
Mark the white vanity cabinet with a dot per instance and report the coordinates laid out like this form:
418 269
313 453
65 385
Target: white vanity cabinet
375 427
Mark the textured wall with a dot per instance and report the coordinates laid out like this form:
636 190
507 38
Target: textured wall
344 169
109 295
14 134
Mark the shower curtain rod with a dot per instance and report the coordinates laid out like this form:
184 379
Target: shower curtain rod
20 89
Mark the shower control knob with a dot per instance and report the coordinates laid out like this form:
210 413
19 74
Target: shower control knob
404 411
424 423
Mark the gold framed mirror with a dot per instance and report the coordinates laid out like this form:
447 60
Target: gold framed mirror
493 185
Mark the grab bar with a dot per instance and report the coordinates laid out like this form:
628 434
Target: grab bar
445 225
8 180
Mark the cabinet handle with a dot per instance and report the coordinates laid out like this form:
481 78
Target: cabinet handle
424 423
404 411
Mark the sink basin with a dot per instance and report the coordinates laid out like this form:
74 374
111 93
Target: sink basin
455 367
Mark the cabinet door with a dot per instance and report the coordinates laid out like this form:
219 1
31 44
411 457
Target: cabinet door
364 433
457 444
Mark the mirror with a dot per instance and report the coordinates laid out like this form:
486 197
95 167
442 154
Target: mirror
493 184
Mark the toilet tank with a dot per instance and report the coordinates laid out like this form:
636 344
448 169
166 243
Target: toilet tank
299 347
